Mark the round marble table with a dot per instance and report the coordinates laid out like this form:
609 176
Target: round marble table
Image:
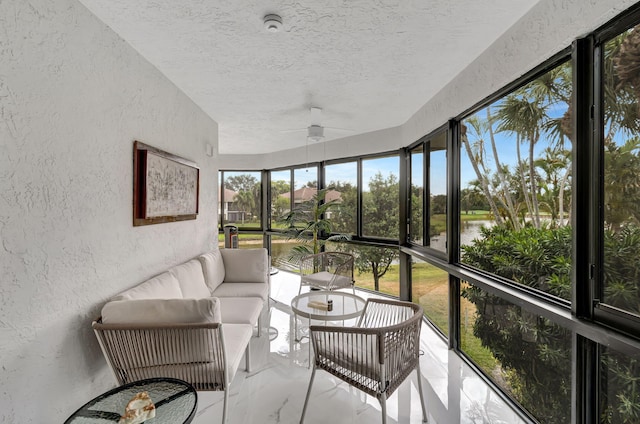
176 402
345 306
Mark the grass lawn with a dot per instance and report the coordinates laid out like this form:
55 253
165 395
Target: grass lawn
476 215
243 237
431 291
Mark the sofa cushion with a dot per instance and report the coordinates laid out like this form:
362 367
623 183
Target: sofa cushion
236 339
156 311
191 279
163 286
260 290
240 310
213 269
198 367
245 265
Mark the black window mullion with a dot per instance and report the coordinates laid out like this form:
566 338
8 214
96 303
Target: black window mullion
426 194
584 228
359 217
453 229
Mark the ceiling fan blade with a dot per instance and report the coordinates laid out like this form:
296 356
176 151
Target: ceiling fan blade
339 129
293 130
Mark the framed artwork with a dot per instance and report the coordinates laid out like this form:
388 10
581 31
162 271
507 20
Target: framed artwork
165 186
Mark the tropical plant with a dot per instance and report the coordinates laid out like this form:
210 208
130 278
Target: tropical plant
533 352
530 115
307 223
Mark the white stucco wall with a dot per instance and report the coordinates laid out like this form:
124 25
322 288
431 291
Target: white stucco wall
73 98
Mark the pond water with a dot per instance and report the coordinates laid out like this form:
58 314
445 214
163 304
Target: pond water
280 249
469 230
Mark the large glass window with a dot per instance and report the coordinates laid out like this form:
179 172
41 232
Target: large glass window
281 253
341 181
380 197
416 219
619 391
432 171
621 170
280 196
528 356
516 185
430 289
438 192
241 199
305 181
376 268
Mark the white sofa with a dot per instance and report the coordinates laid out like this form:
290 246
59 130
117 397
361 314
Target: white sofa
239 278
192 322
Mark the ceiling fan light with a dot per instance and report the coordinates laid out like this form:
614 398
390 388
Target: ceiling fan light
315 133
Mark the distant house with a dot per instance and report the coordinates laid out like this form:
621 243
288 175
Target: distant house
306 193
227 210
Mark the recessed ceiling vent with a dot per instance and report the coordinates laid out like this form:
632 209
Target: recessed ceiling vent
272 23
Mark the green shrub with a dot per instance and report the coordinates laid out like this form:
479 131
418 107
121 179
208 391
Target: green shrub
534 353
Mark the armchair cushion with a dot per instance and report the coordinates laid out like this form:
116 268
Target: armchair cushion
154 311
323 278
213 269
163 286
191 279
352 351
246 265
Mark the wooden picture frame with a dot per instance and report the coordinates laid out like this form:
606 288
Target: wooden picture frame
166 187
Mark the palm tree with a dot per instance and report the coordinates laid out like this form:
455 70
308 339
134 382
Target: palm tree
245 201
524 114
556 166
502 171
307 224
476 157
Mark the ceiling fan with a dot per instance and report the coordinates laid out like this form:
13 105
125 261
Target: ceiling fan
315 130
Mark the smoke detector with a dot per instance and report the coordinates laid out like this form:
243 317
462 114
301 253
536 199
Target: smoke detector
272 23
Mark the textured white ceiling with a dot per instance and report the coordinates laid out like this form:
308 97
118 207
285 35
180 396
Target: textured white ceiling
369 64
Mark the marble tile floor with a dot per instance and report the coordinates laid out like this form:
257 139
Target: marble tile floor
274 391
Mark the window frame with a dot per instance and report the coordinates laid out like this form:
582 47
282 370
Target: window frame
425 142
563 56
602 312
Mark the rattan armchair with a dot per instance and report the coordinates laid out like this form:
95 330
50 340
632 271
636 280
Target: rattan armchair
377 355
327 271
195 353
